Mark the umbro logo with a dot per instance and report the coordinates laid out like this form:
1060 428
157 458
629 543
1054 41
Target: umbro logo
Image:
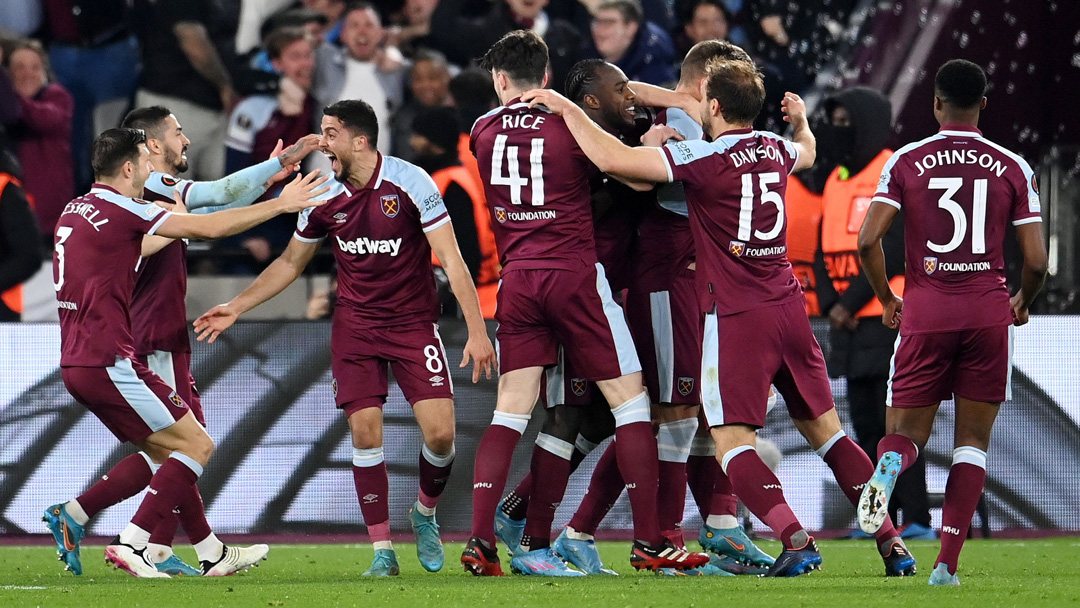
370 498
436 380
340 217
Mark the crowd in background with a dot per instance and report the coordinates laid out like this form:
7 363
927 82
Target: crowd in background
241 74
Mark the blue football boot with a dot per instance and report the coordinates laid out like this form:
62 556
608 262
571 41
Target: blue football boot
734 543
793 562
176 567
541 562
384 564
67 534
429 548
940 577
874 502
582 554
509 531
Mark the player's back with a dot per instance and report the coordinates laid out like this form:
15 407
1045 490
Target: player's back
735 189
98 242
958 192
536 179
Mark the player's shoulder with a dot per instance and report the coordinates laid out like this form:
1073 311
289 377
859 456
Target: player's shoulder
160 186
1014 158
136 206
912 150
413 181
503 114
678 119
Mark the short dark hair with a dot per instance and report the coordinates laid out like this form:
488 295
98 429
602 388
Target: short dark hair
113 148
431 55
148 119
361 5
582 77
357 116
473 95
698 57
691 10
960 83
630 9
281 38
293 17
521 54
738 87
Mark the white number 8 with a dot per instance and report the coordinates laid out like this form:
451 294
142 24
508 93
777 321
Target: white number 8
434 359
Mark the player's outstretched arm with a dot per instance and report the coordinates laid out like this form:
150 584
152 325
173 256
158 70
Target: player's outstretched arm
244 187
297 196
795 112
659 97
478 347
605 151
877 222
277 276
1033 274
152 244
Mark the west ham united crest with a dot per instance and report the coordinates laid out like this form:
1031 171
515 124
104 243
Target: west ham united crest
929 264
500 214
578 385
390 205
736 248
176 400
686 385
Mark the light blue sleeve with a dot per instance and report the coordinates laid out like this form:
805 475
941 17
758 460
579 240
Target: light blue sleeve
237 190
681 122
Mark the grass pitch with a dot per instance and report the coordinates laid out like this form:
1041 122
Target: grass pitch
993 573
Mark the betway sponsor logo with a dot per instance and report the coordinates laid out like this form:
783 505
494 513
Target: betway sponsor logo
964 266
364 246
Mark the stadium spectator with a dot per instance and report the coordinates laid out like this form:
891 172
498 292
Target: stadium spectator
96 58
414 30
255 15
462 39
620 35
362 68
42 133
262 122
259 121
861 347
20 241
798 38
186 73
310 21
703 20
429 83
335 15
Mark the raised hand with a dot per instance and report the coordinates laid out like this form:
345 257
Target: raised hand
302 191
794 108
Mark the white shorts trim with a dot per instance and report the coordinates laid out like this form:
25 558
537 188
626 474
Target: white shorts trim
1008 374
892 370
663 344
620 332
139 396
710 372
555 382
161 363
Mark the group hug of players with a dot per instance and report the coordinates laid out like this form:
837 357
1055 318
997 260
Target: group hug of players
667 199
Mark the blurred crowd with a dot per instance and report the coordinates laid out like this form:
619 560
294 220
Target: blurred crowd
242 74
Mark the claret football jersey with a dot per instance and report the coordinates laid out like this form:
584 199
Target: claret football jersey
958 192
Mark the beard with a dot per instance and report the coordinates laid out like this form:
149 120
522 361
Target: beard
342 174
176 161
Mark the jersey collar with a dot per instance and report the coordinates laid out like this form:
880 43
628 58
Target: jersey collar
737 133
960 130
374 181
99 187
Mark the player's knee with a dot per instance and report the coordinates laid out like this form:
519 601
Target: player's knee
440 440
201 448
